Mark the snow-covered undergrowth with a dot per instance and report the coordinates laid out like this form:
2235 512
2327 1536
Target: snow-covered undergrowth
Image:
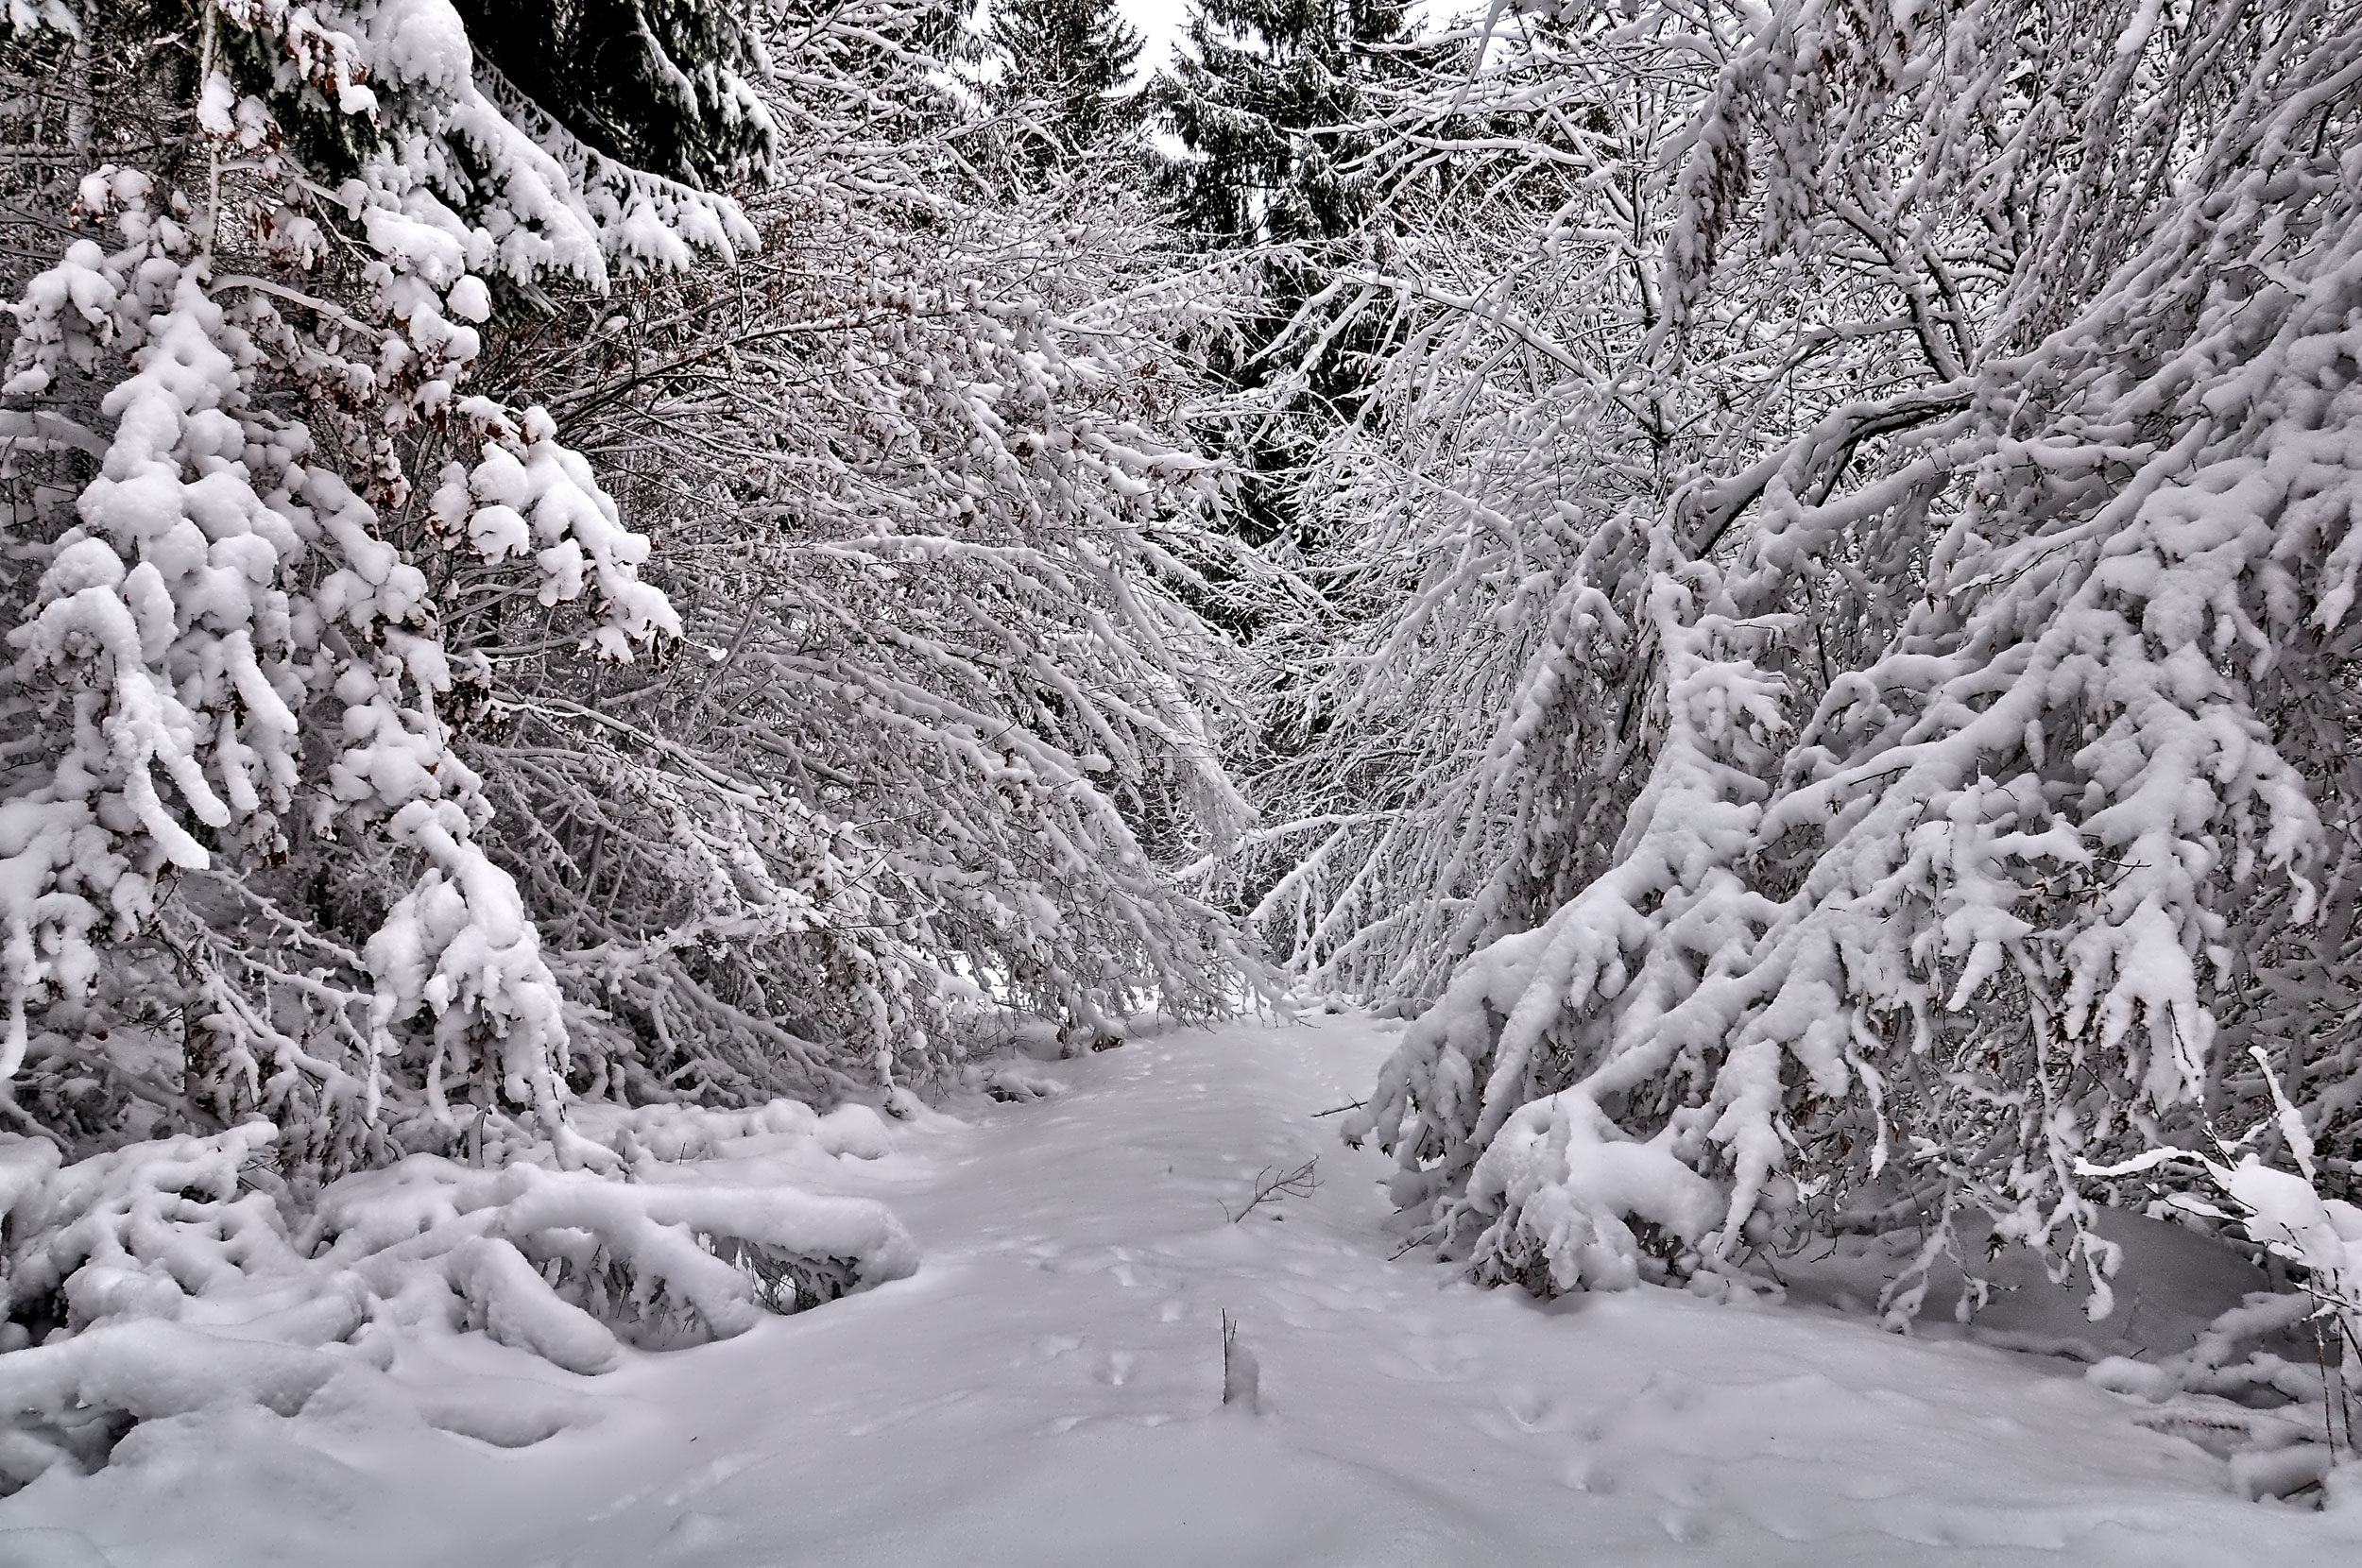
2256 1353
444 757
1840 714
1047 1394
172 1276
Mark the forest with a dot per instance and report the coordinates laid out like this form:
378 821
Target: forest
1767 587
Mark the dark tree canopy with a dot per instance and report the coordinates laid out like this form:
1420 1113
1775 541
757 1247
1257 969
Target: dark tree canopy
1265 100
1257 78
662 85
1068 57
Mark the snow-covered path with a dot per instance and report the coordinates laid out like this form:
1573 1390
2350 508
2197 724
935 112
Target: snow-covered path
1045 1391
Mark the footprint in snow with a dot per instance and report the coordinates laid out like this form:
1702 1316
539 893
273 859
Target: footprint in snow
1530 1408
1048 1348
1451 1358
698 1530
1527 1413
1591 1475
706 1477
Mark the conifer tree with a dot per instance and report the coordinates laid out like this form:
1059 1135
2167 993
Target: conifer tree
1257 100
1064 61
668 86
1258 78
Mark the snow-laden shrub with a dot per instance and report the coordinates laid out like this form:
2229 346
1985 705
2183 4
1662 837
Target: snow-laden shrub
2296 1354
552 1261
469 658
231 699
1848 673
171 1275
1564 1189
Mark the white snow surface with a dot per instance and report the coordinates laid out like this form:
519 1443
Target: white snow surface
1046 1390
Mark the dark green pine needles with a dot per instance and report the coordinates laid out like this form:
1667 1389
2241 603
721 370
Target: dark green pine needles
1258 78
1062 64
662 85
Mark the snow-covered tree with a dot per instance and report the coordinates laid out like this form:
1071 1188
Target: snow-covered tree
1264 99
508 641
1062 66
438 821
676 87
1851 713
943 726
1255 80
283 230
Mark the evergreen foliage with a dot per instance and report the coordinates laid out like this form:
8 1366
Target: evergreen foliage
670 86
1063 62
1264 101
1259 80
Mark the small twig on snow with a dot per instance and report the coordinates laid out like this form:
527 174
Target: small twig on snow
1298 1183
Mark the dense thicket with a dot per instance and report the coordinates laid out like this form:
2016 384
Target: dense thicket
780 660
556 575
940 727
1839 699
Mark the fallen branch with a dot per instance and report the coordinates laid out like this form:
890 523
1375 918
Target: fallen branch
1299 1183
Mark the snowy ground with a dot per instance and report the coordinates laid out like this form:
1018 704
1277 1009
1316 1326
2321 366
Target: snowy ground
1046 1392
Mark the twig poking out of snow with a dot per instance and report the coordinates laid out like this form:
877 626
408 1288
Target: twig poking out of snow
1242 1374
1270 1187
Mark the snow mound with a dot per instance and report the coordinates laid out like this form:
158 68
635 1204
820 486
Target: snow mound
1014 1081
687 1133
1554 1190
169 1278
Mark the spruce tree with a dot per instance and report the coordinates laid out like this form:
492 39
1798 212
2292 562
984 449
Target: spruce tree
1068 57
1257 78
668 86
1261 99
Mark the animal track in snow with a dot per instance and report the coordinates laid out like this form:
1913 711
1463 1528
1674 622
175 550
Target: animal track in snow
906 1414
1048 1349
1443 1358
706 1477
1589 1475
